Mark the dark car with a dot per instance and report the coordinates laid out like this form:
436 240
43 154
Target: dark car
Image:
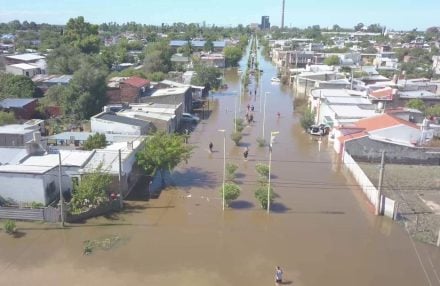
319 130
197 104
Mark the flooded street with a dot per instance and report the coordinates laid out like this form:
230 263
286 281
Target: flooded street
320 230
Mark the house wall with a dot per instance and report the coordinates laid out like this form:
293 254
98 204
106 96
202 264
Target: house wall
367 150
104 126
27 112
28 188
175 99
15 139
129 93
113 95
19 71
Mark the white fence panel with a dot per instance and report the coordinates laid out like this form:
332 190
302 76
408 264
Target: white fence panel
367 186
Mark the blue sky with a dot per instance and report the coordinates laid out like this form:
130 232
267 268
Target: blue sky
396 14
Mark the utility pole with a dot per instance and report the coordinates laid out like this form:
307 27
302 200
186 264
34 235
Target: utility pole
61 189
121 197
379 187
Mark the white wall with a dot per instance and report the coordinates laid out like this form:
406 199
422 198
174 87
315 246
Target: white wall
104 126
27 188
19 71
22 188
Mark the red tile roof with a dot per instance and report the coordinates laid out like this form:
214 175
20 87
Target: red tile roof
383 94
137 81
366 125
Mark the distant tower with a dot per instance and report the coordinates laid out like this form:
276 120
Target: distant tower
282 15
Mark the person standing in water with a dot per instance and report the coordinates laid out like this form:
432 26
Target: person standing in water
278 276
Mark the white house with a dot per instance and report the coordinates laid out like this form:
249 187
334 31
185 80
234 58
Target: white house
23 69
109 122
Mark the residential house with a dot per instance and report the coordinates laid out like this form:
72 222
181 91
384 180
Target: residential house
110 122
29 64
172 96
198 45
36 178
213 59
23 108
119 160
23 69
129 90
20 134
336 107
402 141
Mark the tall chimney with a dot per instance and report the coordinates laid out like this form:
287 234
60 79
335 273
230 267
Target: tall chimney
282 15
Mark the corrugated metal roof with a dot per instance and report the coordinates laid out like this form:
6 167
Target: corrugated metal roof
26 57
16 102
123 120
11 156
68 158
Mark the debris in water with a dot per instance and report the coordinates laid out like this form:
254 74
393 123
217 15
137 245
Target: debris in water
104 244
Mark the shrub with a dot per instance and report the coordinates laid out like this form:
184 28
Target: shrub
230 171
307 119
232 192
261 196
236 137
35 205
9 226
261 142
263 172
239 123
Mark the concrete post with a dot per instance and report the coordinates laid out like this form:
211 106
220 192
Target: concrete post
438 238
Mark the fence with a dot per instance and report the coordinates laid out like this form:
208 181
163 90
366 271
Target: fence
48 214
370 191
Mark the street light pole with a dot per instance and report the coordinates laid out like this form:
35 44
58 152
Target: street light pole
264 111
224 166
272 138
235 114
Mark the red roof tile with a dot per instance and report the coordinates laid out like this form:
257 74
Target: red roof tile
366 125
137 81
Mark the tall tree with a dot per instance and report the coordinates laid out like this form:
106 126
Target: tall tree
86 93
82 35
206 76
17 86
162 152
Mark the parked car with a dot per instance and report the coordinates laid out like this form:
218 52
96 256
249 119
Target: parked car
197 104
187 117
319 130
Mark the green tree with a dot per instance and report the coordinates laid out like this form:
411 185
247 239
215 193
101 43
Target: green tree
359 27
64 60
307 119
232 192
416 104
433 110
206 76
95 141
261 196
158 57
332 60
86 92
82 35
236 137
6 118
162 152
230 171
209 46
17 86
263 173
232 55
91 190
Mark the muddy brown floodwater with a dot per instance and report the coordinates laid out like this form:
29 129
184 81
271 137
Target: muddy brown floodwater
321 231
